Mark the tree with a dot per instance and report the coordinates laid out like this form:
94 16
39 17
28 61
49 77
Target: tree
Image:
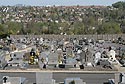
77 28
123 26
2 31
120 4
109 28
14 27
44 29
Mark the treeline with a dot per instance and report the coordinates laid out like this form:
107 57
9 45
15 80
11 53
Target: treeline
71 21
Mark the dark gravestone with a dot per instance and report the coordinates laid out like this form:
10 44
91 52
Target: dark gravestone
81 66
5 79
61 66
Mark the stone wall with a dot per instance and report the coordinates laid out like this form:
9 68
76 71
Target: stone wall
104 37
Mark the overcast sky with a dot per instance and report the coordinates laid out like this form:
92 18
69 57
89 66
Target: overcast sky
58 2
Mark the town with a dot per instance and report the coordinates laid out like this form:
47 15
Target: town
68 20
